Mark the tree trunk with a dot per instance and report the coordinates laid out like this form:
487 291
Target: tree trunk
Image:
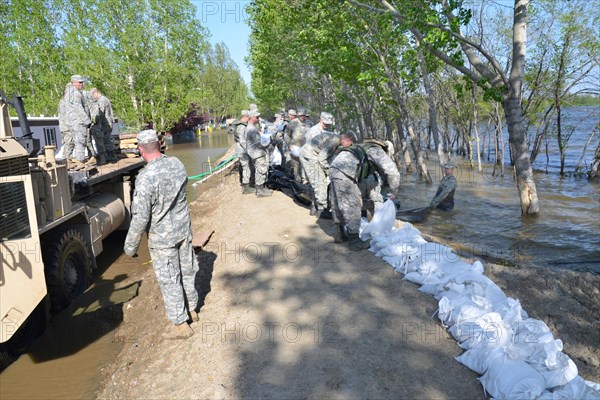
433 128
524 172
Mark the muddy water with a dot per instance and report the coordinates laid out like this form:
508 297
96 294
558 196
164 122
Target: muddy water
66 362
487 218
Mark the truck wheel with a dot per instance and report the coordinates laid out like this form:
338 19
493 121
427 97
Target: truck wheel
68 264
25 336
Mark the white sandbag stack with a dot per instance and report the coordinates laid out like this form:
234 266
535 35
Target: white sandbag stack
517 356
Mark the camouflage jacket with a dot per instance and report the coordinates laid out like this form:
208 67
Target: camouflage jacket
76 110
105 112
445 193
344 166
159 206
314 131
321 148
384 165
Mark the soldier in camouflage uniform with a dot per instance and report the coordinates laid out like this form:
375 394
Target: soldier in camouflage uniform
65 132
258 154
295 138
385 171
160 207
444 197
96 127
105 121
315 157
325 124
345 196
77 116
241 152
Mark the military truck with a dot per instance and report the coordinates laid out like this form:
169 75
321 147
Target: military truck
52 225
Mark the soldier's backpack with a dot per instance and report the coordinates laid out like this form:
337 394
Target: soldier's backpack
364 167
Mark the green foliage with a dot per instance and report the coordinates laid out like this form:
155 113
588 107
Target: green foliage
149 57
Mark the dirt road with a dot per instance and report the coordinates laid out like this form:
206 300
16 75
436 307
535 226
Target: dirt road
288 314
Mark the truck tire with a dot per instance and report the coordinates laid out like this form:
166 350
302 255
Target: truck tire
33 328
68 264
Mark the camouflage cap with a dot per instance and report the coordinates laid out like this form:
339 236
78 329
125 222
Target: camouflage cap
326 118
244 113
252 106
302 111
253 113
147 136
292 112
77 78
277 115
449 165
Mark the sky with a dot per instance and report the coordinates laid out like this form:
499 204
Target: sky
227 22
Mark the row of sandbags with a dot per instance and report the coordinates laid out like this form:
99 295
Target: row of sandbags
516 356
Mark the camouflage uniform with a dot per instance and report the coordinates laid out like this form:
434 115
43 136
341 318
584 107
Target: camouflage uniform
444 197
105 113
240 151
295 136
160 207
344 193
314 131
65 132
96 127
77 118
386 170
258 154
315 159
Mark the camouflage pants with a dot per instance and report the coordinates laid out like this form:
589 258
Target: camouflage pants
370 189
296 168
109 147
175 269
318 181
261 169
68 144
346 201
80 139
98 136
244 163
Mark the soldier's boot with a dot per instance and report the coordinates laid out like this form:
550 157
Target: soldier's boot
182 331
91 161
324 214
246 189
355 243
340 234
262 191
313 209
194 316
101 159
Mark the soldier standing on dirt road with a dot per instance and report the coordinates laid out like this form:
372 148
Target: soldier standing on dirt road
160 206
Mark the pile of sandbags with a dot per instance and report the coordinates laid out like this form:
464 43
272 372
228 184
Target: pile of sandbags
517 356
126 144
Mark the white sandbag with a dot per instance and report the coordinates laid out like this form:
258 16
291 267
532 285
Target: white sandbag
459 309
478 359
276 157
512 379
564 372
383 220
510 310
486 330
577 388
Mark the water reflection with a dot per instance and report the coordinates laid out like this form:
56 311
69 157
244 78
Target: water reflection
488 221
200 154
